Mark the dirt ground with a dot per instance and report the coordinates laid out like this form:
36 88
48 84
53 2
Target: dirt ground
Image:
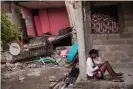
33 78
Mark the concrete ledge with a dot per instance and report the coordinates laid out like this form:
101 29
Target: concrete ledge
102 85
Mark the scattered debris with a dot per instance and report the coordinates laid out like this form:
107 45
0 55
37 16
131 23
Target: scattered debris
21 79
52 78
58 84
46 60
64 52
34 73
39 46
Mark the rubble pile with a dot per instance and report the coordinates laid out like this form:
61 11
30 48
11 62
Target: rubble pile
48 51
8 66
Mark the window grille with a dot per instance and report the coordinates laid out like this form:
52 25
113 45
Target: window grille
104 19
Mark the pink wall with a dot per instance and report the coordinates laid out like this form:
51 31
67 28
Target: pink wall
58 18
27 14
38 25
51 20
44 20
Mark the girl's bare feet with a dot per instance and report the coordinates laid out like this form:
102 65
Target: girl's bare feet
119 74
116 79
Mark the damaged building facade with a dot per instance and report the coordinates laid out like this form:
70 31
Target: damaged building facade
106 27
44 18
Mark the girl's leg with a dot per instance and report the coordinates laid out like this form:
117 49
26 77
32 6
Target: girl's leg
106 66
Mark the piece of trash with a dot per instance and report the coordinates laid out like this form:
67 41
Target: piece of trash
21 79
64 52
73 52
52 78
42 60
47 60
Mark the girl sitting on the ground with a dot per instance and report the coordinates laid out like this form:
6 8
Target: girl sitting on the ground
96 69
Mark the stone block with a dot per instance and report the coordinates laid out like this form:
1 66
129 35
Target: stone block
129 65
102 48
114 42
118 65
94 36
113 59
126 47
103 58
108 54
114 47
129 53
126 35
101 53
113 36
128 16
119 53
126 59
129 29
130 41
102 36
97 42
129 23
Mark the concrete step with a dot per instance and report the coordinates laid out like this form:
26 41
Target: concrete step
104 84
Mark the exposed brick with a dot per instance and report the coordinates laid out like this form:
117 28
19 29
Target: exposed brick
126 59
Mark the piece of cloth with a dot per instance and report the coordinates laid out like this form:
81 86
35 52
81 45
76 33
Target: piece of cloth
51 38
73 52
98 74
90 69
64 52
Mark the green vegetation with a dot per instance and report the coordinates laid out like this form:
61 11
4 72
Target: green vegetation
9 31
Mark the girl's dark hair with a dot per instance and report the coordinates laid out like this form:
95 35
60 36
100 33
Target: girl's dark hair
93 51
